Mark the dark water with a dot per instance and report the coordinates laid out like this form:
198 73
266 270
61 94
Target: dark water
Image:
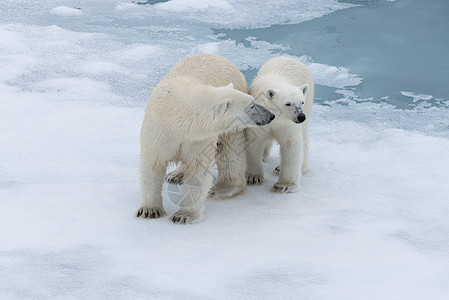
394 46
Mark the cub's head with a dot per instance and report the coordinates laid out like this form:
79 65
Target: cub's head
238 109
287 102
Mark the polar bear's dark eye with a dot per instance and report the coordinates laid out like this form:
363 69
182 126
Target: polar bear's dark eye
302 102
252 106
288 104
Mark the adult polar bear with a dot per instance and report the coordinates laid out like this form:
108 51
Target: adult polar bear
214 70
182 121
285 87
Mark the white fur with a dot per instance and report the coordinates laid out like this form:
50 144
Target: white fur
182 121
214 70
281 81
210 69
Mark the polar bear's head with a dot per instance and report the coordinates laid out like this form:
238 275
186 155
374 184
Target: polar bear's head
286 101
238 109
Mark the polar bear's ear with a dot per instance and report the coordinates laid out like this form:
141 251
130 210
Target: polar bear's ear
222 107
270 94
231 85
304 88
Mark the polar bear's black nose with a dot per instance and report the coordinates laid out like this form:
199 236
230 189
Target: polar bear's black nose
272 117
301 118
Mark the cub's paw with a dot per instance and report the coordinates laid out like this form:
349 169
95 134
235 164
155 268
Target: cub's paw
277 171
282 188
150 212
185 217
225 191
174 177
255 179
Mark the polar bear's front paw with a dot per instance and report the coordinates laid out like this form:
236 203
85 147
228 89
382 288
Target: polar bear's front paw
282 188
255 179
185 217
221 191
277 171
174 177
150 212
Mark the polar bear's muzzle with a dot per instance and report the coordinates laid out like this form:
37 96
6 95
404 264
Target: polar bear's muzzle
259 114
301 117
266 122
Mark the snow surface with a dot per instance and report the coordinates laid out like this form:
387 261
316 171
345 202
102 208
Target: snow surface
66 11
371 220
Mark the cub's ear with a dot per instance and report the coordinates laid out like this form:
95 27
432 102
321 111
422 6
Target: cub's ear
230 85
222 107
270 94
304 88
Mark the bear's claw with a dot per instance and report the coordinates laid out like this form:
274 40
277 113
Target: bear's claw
150 213
174 177
225 191
255 180
179 220
277 171
282 188
183 218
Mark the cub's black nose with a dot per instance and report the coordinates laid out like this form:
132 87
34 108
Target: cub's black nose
272 117
301 118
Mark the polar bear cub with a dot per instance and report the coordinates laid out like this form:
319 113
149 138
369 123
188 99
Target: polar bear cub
182 122
285 87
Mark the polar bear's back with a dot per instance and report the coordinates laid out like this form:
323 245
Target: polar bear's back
210 69
292 70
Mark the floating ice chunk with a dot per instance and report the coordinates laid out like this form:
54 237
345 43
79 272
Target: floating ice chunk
332 76
66 11
212 47
196 5
347 93
266 45
244 57
417 97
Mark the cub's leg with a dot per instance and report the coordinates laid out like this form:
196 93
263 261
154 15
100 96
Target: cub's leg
255 140
267 150
290 169
231 164
305 161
